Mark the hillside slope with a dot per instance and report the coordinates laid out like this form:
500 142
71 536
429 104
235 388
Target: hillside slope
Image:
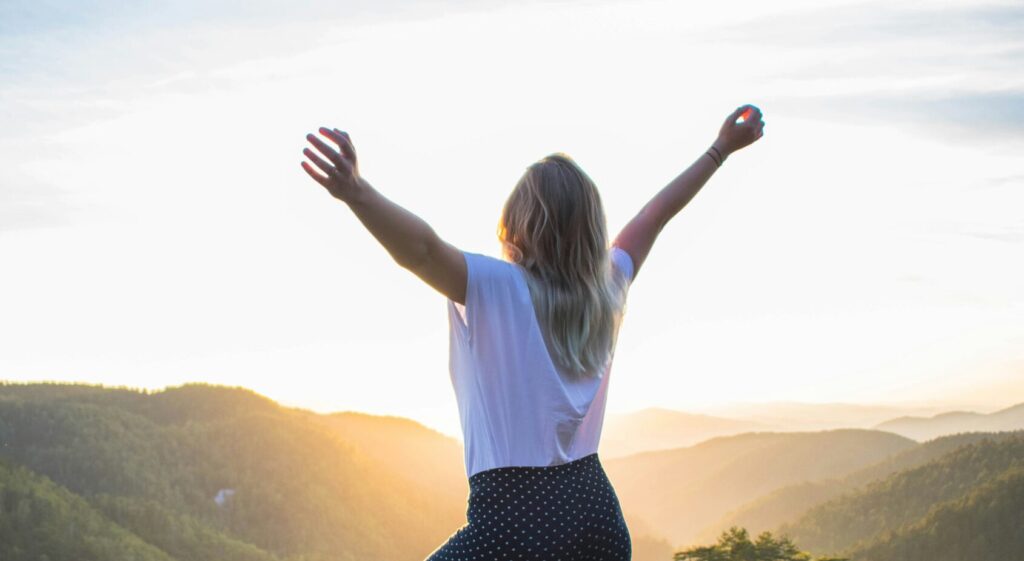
902 500
696 486
288 485
660 429
985 524
787 504
41 520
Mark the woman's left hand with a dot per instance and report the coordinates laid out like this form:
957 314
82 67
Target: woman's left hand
342 178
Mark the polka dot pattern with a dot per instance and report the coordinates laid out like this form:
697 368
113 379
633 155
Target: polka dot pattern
567 512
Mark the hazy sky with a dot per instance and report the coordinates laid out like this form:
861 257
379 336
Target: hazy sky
156 228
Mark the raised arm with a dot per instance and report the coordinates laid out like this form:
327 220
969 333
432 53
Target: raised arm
638 236
412 243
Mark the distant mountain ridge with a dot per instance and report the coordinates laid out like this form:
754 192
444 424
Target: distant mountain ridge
802 416
952 422
211 473
656 428
659 428
679 492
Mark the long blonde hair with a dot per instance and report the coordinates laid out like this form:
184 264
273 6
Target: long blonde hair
553 225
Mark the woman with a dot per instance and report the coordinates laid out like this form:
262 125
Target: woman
532 338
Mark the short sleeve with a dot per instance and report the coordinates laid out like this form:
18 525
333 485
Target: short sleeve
623 262
490 287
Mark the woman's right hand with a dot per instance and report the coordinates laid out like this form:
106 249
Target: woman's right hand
733 136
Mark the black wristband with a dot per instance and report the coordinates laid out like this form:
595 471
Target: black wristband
720 157
713 159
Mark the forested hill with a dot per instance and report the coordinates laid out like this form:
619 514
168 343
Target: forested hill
209 473
42 520
968 504
987 523
203 472
785 505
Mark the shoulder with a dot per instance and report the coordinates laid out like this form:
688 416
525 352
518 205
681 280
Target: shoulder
492 291
484 267
489 277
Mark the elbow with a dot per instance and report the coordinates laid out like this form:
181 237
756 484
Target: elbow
654 216
655 219
412 260
416 256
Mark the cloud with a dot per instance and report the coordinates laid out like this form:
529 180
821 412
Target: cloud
869 23
944 70
1004 181
979 116
20 17
1008 235
33 205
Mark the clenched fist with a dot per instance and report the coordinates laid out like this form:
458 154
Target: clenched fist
735 135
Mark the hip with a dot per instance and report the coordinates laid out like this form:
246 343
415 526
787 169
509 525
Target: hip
566 512
577 489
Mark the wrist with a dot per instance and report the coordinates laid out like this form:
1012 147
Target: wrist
716 154
358 194
722 148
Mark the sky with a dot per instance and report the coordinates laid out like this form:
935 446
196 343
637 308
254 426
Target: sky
156 227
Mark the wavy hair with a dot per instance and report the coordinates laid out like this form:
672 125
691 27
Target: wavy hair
553 225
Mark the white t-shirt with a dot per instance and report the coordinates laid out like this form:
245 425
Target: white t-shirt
515 407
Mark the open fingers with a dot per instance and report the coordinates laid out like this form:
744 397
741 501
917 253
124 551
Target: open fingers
343 140
330 153
320 162
325 181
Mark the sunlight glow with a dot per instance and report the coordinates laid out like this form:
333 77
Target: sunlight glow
155 227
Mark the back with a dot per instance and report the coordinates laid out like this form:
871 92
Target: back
516 408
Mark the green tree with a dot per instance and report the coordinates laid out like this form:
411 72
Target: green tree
735 545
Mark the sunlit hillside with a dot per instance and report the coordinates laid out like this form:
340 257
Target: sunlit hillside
906 503
697 485
212 473
786 504
657 429
421 455
203 472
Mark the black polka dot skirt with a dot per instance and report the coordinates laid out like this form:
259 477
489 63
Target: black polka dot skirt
566 512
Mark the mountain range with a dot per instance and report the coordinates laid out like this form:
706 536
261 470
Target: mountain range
952 422
201 472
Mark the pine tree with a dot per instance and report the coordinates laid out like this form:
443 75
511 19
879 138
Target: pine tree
735 545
